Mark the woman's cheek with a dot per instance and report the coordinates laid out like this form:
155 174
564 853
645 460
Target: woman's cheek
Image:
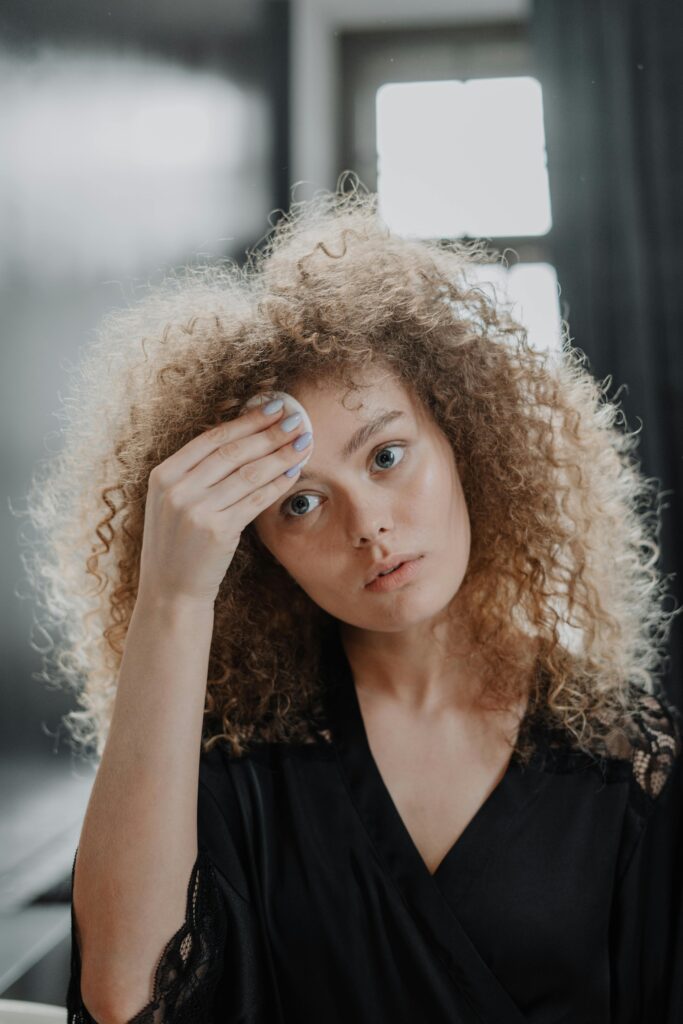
427 481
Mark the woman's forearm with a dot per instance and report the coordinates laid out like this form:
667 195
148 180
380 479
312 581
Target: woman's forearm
139 837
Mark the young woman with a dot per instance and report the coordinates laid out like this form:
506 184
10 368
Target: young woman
329 792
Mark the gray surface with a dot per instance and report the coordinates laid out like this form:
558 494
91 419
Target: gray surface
27 936
42 804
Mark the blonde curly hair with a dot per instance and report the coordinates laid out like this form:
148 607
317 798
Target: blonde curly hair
564 533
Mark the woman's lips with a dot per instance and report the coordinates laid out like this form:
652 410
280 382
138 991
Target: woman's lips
397 578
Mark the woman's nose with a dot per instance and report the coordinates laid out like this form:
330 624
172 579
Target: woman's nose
368 519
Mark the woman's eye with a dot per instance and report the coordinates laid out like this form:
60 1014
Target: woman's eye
299 505
388 448
300 502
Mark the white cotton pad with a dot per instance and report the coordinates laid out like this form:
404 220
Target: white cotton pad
291 406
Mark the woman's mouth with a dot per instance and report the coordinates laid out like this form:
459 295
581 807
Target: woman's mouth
395 577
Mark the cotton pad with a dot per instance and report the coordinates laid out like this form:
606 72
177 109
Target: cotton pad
291 406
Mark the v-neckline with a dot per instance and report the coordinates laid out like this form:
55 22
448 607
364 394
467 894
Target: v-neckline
469 854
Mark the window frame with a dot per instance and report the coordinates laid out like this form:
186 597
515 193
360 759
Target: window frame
371 58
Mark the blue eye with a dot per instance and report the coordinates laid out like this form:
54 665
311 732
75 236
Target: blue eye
301 501
387 448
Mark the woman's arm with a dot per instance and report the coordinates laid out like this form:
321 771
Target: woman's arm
139 838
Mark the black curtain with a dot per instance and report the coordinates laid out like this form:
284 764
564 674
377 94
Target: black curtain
610 72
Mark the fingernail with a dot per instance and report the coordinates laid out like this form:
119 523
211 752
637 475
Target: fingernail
303 441
291 422
272 407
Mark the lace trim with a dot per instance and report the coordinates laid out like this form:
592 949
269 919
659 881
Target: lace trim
190 966
644 752
657 744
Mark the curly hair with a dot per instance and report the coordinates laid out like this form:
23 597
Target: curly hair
564 544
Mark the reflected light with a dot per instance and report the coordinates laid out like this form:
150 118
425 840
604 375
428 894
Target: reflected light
114 162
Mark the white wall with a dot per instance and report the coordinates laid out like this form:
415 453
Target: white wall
315 71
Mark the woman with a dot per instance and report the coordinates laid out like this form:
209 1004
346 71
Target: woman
453 795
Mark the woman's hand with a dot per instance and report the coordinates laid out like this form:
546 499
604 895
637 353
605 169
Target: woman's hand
200 499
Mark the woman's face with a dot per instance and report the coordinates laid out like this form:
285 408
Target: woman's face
396 492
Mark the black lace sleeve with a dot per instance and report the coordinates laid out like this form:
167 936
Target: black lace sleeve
646 928
190 966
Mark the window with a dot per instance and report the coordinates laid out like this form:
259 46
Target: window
447 126
463 158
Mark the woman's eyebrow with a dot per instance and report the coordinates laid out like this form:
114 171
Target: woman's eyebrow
362 436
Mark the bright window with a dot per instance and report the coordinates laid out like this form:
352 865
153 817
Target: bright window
468 158
532 291
463 158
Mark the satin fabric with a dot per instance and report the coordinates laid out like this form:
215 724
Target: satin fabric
562 900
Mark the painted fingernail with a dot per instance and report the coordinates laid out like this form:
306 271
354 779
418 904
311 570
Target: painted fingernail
294 469
272 407
291 421
303 441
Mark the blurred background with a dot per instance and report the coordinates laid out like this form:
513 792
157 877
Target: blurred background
138 137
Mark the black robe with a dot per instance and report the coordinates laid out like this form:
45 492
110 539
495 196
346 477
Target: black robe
560 903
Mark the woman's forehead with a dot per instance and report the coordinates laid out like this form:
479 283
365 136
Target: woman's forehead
373 390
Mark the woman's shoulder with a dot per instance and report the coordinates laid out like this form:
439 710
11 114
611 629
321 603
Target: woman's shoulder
643 750
221 763
219 760
656 743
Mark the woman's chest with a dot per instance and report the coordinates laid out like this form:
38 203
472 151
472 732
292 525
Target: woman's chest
437 773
